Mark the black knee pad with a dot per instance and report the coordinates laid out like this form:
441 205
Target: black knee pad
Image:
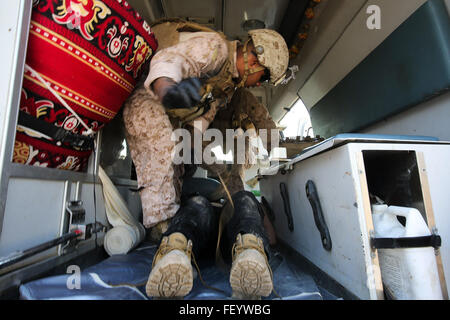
197 201
243 194
198 221
246 203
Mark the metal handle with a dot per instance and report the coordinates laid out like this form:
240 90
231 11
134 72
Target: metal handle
287 206
22 255
313 197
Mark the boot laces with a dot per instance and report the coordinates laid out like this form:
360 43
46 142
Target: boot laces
167 246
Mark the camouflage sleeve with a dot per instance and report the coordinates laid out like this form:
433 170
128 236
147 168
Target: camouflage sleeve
261 119
203 54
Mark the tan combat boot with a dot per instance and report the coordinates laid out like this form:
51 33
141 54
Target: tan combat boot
171 275
250 275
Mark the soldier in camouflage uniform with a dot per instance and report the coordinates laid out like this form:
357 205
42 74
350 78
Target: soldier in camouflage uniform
192 63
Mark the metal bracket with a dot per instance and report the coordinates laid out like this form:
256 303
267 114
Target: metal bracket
292 70
435 232
76 212
287 168
77 216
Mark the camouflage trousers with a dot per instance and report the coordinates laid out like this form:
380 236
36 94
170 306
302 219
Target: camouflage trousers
148 132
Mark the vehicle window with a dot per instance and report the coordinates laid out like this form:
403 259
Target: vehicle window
297 122
115 155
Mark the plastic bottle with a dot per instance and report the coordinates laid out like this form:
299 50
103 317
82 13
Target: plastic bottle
409 273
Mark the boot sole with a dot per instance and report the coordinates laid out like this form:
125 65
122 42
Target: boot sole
250 276
171 277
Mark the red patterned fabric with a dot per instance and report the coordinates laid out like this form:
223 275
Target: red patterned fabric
91 52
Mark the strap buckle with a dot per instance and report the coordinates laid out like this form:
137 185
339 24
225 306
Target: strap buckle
75 140
58 134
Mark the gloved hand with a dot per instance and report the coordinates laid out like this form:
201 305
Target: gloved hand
185 94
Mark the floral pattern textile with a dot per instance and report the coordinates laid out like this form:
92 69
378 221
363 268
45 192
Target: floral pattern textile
91 53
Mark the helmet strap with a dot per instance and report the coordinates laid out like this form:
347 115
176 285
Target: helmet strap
247 70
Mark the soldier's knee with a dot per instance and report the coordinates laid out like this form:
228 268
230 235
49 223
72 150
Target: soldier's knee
199 200
244 195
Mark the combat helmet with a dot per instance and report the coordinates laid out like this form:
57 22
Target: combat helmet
272 53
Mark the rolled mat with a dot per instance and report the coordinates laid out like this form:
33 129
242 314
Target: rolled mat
91 54
127 232
121 239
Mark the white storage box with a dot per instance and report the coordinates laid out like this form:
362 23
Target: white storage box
344 170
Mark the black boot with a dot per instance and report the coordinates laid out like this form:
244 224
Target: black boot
191 231
197 221
250 275
248 217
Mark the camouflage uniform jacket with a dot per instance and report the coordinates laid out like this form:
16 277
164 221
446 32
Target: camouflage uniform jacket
197 54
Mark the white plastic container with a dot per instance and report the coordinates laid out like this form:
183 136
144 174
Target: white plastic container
412 273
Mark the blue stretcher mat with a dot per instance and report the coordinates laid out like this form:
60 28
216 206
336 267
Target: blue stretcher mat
123 277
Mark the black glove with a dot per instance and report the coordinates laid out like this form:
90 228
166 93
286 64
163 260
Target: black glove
183 95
